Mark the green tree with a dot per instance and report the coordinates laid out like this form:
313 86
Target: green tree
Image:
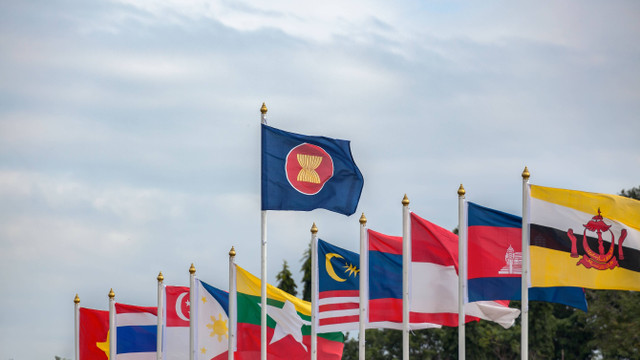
285 280
306 274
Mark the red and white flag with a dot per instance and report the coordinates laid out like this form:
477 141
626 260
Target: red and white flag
176 327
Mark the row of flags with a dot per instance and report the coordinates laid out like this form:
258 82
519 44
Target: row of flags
576 240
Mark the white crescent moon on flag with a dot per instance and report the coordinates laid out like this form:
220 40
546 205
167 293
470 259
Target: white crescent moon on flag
179 306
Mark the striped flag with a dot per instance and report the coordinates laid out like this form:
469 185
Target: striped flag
584 239
137 330
338 288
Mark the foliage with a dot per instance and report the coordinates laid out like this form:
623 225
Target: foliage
285 280
306 274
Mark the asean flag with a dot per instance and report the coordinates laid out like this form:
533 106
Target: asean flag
303 173
94 334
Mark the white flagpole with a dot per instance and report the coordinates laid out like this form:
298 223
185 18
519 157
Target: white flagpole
263 277
233 301
524 335
76 325
406 262
364 273
192 313
113 336
462 266
160 316
314 292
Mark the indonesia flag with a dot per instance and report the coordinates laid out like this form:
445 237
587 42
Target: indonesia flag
176 327
434 280
137 329
338 288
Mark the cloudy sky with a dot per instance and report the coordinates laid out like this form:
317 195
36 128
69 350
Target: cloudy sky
129 130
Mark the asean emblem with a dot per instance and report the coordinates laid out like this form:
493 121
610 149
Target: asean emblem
598 260
308 167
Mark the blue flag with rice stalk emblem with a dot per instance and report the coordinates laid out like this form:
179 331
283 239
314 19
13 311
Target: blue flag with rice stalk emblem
304 173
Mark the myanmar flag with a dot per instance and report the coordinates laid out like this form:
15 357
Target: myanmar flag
288 324
584 239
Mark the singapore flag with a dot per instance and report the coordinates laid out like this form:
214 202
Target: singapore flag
176 331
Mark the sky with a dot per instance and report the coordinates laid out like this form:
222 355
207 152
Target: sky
129 130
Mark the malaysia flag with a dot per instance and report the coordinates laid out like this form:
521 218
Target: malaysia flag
176 328
136 332
338 288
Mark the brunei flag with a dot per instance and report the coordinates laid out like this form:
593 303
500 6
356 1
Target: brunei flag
584 239
288 324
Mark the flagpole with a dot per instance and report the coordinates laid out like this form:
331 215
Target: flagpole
364 273
406 261
263 272
160 317
76 325
113 336
192 317
233 300
314 291
524 333
462 271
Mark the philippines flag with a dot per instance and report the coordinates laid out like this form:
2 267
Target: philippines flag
212 322
495 261
338 288
176 328
136 332
434 280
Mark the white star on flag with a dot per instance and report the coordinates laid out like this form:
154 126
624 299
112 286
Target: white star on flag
288 322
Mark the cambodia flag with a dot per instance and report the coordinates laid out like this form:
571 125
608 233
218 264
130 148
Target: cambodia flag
94 334
495 261
338 288
303 173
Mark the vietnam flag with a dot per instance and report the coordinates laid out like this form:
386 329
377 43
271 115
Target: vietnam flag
288 324
94 334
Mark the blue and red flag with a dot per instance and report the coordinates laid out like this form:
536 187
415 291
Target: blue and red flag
495 261
338 288
137 332
385 279
303 173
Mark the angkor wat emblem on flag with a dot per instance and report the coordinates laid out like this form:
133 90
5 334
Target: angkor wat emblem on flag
598 260
514 262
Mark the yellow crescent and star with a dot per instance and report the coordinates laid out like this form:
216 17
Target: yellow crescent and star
350 269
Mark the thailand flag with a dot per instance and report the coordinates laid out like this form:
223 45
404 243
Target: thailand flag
137 329
338 288
495 261
176 328
385 283
434 280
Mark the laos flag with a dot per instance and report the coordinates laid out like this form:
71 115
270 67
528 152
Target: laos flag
303 173
495 261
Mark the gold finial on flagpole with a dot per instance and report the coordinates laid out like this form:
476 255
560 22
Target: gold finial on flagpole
263 109
525 173
76 300
232 252
160 277
111 294
363 220
405 200
461 190
314 229
192 269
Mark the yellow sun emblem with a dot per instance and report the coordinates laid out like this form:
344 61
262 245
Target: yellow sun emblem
218 327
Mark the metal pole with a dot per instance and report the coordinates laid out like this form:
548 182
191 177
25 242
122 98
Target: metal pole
462 266
160 316
113 335
192 312
263 276
314 291
406 262
76 325
232 304
524 334
364 273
